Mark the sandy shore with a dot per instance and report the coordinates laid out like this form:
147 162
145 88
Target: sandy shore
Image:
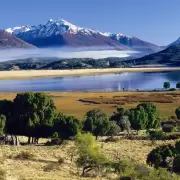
23 74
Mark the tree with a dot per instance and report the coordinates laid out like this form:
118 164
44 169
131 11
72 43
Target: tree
167 85
114 129
144 116
121 117
2 124
31 112
125 124
176 164
97 123
89 156
177 112
178 85
158 156
67 126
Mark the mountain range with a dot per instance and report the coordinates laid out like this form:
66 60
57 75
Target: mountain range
58 33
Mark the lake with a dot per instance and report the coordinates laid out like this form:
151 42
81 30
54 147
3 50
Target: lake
105 82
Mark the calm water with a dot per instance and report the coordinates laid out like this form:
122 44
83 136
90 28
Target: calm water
107 82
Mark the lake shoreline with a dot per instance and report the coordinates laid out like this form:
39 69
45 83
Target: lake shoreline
28 74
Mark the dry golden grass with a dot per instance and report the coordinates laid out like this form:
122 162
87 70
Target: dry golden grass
68 102
44 164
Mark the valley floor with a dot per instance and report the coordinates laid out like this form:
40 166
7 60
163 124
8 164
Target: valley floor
24 74
78 103
44 165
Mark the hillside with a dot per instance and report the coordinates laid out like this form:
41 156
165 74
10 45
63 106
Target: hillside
8 40
170 56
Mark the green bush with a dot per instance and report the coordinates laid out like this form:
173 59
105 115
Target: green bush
168 129
177 146
176 164
172 89
157 135
158 156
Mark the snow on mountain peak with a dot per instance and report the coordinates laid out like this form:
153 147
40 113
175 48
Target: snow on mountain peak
52 27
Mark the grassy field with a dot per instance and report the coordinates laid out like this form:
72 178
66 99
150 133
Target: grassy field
44 164
78 103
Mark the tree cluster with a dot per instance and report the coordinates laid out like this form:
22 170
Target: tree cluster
34 115
144 117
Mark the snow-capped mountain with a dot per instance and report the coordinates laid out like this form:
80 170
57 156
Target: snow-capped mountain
63 33
134 43
8 40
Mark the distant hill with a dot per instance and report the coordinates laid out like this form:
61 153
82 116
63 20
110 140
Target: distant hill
7 40
170 55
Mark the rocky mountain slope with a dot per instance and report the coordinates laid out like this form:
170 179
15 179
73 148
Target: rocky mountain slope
7 40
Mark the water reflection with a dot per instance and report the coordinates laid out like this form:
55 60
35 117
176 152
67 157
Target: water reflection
107 82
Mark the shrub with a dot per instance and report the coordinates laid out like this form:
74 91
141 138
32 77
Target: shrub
158 156
177 146
176 164
157 135
24 155
168 129
111 139
178 85
172 89
61 160
53 142
167 85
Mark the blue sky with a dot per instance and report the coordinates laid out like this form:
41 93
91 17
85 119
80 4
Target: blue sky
157 21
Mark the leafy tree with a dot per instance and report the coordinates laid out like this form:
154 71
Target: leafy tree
177 111
152 115
144 116
2 124
6 107
167 85
176 164
125 124
89 156
177 146
97 123
31 112
158 156
67 126
178 85
121 117
138 118
114 129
